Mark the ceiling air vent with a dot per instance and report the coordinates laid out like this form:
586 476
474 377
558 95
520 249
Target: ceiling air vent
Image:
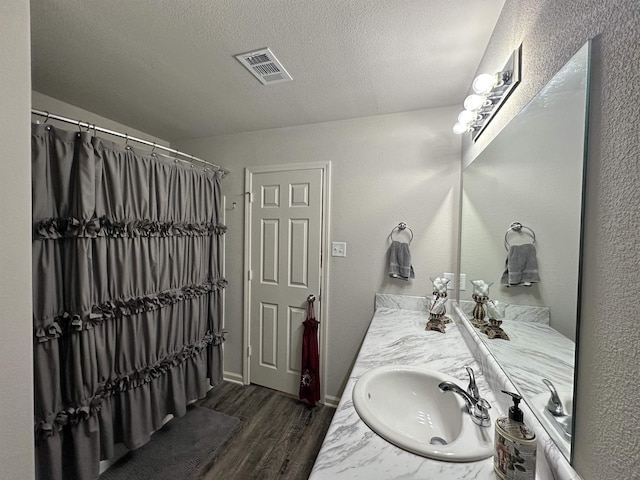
264 65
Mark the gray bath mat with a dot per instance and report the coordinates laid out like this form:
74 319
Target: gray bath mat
182 449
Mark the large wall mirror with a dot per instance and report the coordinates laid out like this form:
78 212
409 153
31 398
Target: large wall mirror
532 173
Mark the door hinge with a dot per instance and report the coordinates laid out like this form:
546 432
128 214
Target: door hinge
248 350
250 196
249 275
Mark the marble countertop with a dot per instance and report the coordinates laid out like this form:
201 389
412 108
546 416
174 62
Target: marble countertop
534 351
397 336
541 362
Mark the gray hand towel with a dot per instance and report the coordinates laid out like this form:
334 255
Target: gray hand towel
521 267
400 261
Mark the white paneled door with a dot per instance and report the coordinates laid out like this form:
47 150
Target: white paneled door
286 208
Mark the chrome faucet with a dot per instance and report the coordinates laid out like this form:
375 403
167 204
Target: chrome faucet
556 409
477 406
554 405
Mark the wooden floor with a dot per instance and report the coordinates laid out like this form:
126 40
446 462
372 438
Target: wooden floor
279 438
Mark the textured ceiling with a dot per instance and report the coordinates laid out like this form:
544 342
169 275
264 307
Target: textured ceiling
166 67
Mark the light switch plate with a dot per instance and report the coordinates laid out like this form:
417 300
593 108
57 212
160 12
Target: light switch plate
338 249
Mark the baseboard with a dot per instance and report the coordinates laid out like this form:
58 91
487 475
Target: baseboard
232 377
331 401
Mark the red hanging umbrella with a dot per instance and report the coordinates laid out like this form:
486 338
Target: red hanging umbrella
310 377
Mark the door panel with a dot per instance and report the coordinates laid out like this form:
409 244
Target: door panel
295 318
286 221
298 252
269 251
268 335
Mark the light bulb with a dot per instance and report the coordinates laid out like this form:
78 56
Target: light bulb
474 102
467 116
459 128
483 84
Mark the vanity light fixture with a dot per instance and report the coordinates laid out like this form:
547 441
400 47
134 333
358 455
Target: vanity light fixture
490 92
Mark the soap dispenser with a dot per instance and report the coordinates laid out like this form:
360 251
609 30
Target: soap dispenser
515 445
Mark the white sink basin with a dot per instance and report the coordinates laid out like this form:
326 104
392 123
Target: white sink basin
404 405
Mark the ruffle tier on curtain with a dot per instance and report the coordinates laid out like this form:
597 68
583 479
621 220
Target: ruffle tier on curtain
127 292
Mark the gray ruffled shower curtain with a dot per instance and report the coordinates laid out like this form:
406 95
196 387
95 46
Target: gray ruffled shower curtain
126 298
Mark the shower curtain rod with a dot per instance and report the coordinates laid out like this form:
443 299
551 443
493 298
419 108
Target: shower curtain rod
126 136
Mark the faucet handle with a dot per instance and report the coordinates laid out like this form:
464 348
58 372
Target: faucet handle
480 413
554 405
472 389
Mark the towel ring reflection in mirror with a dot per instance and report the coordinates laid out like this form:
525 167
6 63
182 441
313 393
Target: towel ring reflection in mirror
401 227
518 227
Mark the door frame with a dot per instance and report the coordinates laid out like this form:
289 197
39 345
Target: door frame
322 295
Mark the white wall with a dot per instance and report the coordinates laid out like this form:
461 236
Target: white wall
607 420
385 169
16 337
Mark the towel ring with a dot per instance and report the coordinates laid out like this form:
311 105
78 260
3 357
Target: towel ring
517 227
401 227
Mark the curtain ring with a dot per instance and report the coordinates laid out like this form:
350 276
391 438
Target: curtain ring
126 142
153 154
47 119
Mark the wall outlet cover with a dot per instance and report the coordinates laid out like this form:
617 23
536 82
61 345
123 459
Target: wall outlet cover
463 281
338 249
452 283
